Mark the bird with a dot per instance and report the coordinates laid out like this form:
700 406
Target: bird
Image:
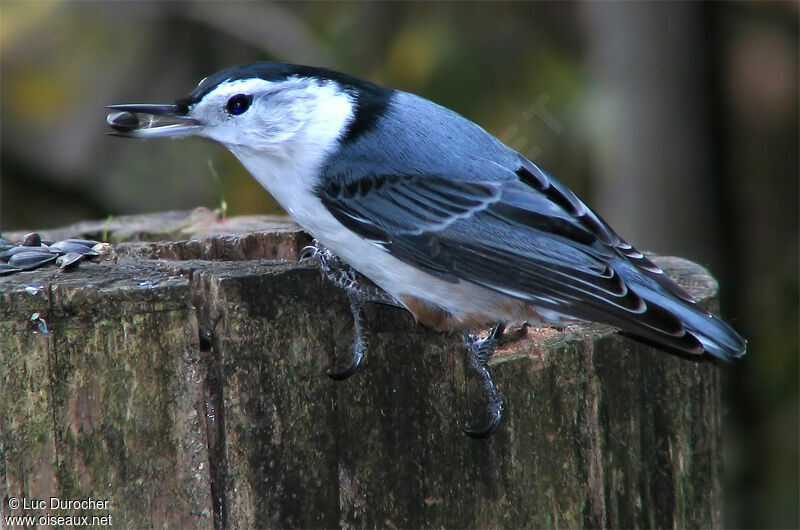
411 204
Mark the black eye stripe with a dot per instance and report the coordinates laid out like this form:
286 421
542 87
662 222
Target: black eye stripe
238 104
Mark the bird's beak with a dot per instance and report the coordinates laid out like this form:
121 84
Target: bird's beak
150 121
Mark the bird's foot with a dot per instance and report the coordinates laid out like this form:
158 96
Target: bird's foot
344 276
338 272
359 292
481 350
360 339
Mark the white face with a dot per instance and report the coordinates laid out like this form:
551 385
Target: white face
259 115
249 115
281 131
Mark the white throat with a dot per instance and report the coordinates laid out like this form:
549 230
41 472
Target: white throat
289 170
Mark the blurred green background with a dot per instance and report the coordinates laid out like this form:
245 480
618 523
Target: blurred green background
678 122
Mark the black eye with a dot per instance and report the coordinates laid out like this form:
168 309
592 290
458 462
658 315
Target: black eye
238 104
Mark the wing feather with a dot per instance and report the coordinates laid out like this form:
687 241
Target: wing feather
539 244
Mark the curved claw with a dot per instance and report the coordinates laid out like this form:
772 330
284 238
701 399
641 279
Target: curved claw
350 370
495 415
307 253
481 351
359 340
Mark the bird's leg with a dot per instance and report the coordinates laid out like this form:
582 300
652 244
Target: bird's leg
360 338
344 276
481 351
359 292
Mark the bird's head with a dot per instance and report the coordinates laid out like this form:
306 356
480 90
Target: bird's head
259 107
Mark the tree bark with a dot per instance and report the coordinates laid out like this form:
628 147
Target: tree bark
191 392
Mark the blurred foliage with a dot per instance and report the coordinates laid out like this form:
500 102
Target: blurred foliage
61 63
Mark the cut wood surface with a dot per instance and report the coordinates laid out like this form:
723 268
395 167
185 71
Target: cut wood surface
184 381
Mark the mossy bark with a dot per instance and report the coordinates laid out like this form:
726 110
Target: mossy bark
192 392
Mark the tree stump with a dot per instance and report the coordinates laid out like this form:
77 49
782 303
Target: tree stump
185 384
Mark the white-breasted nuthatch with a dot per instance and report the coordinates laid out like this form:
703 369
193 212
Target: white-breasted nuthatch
456 227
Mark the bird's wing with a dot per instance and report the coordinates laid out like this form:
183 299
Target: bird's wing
526 236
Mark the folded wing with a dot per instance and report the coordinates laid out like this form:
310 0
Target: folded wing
529 237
